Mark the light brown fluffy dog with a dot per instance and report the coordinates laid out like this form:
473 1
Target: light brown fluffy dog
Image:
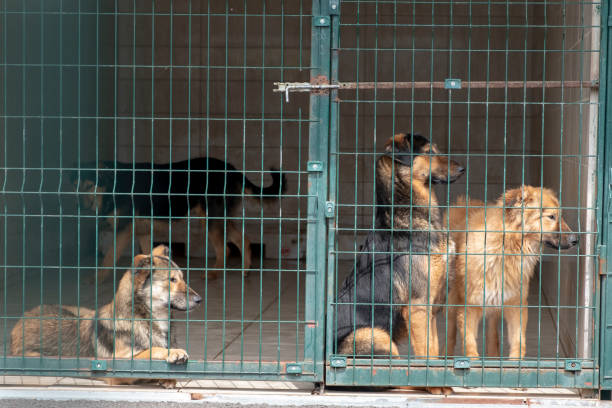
496 258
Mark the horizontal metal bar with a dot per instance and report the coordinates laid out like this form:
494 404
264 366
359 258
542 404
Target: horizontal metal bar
469 84
75 367
448 376
447 361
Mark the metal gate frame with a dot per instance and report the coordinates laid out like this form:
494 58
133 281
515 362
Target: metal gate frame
311 368
340 370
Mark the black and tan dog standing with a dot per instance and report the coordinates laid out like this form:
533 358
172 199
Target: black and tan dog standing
404 260
132 196
135 325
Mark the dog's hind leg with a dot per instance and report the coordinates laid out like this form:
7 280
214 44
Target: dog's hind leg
217 239
369 341
237 238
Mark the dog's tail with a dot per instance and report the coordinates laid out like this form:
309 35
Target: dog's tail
273 191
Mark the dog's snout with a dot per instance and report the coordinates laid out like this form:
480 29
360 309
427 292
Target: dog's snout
461 169
573 239
197 299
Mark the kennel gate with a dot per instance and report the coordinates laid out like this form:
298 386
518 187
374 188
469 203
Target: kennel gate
509 89
365 80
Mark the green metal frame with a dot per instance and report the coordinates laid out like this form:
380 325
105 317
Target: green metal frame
604 188
74 33
570 373
319 364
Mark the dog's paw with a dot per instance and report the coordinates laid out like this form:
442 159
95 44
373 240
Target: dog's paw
440 390
177 356
167 383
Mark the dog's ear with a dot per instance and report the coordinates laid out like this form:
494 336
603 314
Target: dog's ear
403 147
398 143
161 250
142 265
519 197
398 148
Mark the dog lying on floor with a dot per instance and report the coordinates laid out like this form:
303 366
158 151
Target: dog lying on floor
134 325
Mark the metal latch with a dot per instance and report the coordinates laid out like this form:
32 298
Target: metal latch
287 87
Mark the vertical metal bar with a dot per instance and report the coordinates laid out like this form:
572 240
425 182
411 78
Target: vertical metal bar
5 178
586 339
23 171
42 146
604 152
188 175
78 270
332 259
61 165
261 166
318 150
280 224
97 173
242 224
205 221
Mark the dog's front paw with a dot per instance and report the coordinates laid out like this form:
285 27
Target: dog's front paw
167 383
177 356
440 390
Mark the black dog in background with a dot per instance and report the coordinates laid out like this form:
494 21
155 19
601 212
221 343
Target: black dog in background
208 188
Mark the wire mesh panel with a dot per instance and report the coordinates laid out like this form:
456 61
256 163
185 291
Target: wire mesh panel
155 190
463 246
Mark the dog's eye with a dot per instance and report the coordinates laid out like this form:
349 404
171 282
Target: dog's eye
173 280
552 216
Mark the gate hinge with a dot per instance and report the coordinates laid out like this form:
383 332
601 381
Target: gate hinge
330 209
316 86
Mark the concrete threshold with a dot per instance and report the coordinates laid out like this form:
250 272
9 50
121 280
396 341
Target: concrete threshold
235 395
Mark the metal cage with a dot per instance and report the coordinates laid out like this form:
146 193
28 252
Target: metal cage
114 113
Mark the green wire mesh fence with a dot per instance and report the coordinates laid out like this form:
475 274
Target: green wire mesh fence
508 91
303 237
132 124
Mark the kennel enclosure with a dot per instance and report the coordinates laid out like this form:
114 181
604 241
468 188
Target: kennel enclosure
515 91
